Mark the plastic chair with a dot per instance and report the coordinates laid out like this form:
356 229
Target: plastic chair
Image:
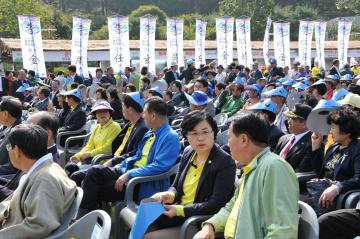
221 138
221 120
125 211
352 200
308 222
342 198
98 158
94 225
69 216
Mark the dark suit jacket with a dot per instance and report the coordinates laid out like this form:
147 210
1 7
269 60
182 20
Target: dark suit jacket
300 155
74 120
169 77
54 100
5 86
14 86
333 71
187 74
275 134
346 170
216 184
133 142
78 79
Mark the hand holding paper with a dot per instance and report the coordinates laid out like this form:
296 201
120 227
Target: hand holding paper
164 197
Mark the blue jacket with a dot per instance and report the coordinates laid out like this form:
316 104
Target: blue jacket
162 156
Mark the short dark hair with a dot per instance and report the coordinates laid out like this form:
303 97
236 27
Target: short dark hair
99 69
102 92
169 93
321 89
177 84
44 90
72 68
130 103
220 86
240 87
32 73
57 81
59 73
25 136
12 105
156 105
193 118
145 80
113 93
203 82
49 121
131 87
253 125
347 120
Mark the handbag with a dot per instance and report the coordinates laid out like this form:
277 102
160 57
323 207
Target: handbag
315 187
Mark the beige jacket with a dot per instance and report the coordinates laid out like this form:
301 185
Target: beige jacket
37 206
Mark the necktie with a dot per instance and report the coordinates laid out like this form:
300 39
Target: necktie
288 147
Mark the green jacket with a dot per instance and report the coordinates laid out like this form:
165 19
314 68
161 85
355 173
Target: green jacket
232 105
269 207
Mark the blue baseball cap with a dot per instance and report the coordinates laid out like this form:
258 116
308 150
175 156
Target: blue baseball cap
282 80
300 85
267 105
239 80
301 79
254 87
272 60
137 97
346 77
340 94
280 91
288 83
22 88
156 91
189 61
319 82
76 93
333 77
198 98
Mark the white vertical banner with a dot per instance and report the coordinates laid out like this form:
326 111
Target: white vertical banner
80 39
344 30
200 43
31 45
320 31
119 42
175 32
306 30
147 43
282 43
266 41
224 40
243 41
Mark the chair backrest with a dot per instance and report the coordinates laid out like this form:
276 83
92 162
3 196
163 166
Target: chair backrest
221 138
352 200
69 216
221 119
94 225
308 222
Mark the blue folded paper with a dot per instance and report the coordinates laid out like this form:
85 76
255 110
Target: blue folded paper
148 212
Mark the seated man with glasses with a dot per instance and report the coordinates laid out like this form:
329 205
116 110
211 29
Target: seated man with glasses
44 194
204 182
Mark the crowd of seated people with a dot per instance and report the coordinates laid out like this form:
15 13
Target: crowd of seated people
279 125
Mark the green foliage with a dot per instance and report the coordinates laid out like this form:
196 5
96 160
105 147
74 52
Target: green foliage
134 21
349 5
289 14
258 10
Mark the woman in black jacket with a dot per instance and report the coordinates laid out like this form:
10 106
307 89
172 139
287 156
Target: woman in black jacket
341 162
205 180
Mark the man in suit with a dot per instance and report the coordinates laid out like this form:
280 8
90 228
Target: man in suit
295 147
55 90
73 77
18 83
156 154
43 102
10 116
4 86
45 192
172 74
76 118
128 140
334 70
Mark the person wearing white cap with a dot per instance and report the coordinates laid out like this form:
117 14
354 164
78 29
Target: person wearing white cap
101 137
172 74
295 70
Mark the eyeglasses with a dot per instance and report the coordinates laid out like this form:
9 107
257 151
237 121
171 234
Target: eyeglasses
197 135
8 147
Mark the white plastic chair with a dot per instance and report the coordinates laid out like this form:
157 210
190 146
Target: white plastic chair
69 216
94 225
308 222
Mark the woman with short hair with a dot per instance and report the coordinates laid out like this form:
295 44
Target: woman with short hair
204 182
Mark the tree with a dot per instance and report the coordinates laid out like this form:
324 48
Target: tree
257 10
134 21
349 5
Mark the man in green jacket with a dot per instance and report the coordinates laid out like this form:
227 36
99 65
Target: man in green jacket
234 102
265 203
